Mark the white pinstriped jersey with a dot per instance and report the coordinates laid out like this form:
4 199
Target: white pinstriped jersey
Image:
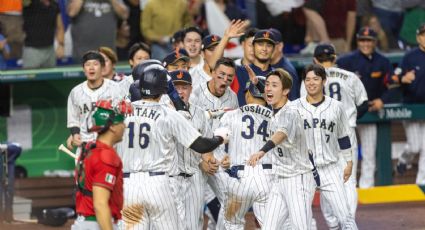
324 125
199 76
249 126
188 160
202 97
82 101
290 158
149 141
346 87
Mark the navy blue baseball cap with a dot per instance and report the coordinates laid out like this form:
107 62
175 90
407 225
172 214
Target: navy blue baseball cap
264 35
176 55
177 36
277 34
421 29
324 49
210 41
181 76
367 33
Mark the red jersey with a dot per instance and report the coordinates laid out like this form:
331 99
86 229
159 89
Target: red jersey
102 167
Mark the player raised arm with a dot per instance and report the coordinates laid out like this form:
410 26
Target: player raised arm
234 30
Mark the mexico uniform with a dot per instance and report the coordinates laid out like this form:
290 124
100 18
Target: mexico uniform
102 167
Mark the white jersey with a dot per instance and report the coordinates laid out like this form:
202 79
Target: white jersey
325 126
290 158
346 87
199 76
149 142
82 101
203 98
249 126
188 160
125 83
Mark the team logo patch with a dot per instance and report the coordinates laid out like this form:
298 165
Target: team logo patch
376 74
214 38
266 34
109 178
180 75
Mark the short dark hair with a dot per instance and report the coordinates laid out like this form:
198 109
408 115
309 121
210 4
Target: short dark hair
193 29
226 62
325 58
317 69
136 47
248 34
284 77
93 55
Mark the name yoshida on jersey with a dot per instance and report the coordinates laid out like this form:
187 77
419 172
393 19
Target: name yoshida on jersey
249 125
82 101
327 130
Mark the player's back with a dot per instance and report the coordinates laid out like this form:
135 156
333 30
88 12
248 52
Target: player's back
347 88
149 141
249 126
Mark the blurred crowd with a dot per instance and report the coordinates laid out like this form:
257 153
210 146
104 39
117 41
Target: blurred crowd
43 33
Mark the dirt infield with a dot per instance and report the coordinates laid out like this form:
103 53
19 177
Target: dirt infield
384 216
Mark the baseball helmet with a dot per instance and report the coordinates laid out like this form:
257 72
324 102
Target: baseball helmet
107 114
140 68
153 82
255 90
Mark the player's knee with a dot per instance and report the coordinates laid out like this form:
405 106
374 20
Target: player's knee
232 207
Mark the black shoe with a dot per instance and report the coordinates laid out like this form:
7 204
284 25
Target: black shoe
401 168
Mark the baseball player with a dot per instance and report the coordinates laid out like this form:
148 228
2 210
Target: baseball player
248 49
83 97
291 160
374 71
190 164
192 42
212 49
249 186
99 177
137 53
412 78
177 60
215 97
148 150
328 135
346 87
264 43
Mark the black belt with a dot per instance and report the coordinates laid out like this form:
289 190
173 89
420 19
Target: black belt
185 175
233 171
242 167
127 175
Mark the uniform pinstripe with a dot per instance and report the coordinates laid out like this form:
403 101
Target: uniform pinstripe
81 102
202 97
346 87
249 126
192 188
199 76
325 125
149 146
294 174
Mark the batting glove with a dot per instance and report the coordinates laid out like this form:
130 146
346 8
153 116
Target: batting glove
224 133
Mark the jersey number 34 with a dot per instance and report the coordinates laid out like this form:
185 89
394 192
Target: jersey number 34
248 133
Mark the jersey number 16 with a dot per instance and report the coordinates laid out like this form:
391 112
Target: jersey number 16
144 128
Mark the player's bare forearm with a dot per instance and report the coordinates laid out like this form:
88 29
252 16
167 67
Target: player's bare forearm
278 137
74 7
255 158
120 9
101 207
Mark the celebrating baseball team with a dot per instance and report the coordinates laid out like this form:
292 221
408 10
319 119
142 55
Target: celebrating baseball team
195 134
